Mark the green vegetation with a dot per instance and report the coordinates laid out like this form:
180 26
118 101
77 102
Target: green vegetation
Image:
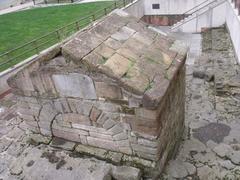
21 27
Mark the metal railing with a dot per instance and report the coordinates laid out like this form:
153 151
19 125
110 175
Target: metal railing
36 2
18 54
194 9
197 9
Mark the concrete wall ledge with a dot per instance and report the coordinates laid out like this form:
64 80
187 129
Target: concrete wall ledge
233 26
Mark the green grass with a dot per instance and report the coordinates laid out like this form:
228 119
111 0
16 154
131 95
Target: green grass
21 27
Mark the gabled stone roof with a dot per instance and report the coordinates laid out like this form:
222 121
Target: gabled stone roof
125 49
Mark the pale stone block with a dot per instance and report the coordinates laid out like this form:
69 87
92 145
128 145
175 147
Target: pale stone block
125 150
116 129
123 34
106 90
102 136
123 143
26 117
103 117
75 85
76 119
146 113
90 128
117 65
62 143
47 113
62 106
112 43
126 173
45 132
66 135
108 124
91 150
102 143
71 130
148 143
120 136
144 149
95 113
83 139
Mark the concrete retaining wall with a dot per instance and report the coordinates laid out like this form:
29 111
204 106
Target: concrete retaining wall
170 6
136 8
233 25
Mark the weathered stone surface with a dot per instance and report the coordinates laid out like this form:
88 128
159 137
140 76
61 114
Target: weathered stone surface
123 34
63 144
117 65
178 169
106 90
213 131
95 113
105 144
75 85
126 173
38 139
91 150
76 119
223 150
112 86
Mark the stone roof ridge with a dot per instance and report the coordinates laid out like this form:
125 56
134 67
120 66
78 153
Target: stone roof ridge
125 49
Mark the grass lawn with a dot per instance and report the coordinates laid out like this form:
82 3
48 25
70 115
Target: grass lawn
20 27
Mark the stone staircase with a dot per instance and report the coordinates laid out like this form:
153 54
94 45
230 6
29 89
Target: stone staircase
197 11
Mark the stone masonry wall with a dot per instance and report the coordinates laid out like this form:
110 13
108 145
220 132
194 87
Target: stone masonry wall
107 116
68 99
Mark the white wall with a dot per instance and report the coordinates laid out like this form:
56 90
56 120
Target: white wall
170 6
212 17
233 25
136 8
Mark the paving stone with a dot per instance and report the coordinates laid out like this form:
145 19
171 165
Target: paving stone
5 143
235 157
213 131
126 173
63 144
176 169
227 164
223 150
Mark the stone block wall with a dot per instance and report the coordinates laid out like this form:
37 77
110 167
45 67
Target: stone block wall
62 98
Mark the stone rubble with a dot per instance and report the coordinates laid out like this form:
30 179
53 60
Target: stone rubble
211 141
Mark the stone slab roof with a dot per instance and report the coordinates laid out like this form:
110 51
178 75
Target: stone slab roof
125 49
